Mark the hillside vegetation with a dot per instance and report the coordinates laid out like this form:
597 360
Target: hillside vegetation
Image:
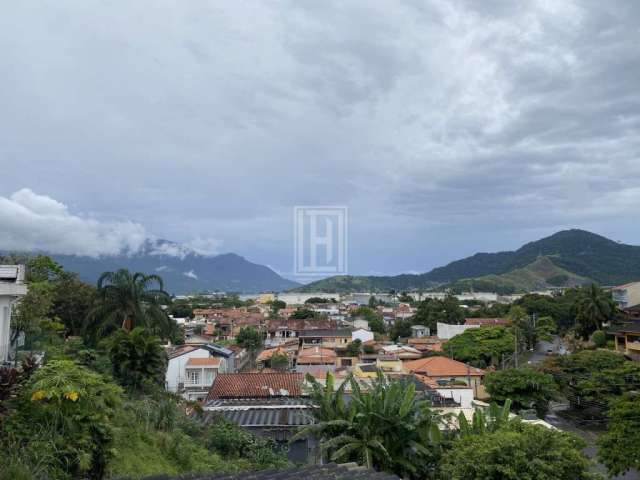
571 257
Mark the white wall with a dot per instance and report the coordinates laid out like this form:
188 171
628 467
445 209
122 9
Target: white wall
175 369
446 331
463 396
5 330
363 335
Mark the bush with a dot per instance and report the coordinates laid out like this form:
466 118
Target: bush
599 339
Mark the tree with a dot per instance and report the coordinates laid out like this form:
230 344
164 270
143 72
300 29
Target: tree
251 339
387 427
72 408
127 300
32 311
276 306
431 311
519 452
594 308
353 349
525 387
302 313
72 302
376 324
481 346
279 361
599 338
138 359
619 446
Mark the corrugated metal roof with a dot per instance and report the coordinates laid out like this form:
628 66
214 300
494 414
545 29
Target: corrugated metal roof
8 272
268 417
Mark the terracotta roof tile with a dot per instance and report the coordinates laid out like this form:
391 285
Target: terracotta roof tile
441 367
256 385
487 321
203 362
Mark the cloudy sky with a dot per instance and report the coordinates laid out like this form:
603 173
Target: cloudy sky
446 127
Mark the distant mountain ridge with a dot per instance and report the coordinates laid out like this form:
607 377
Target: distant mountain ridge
579 256
183 269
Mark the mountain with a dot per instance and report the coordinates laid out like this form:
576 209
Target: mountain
571 257
182 269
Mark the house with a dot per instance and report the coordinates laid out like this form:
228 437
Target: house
316 358
361 324
426 344
328 338
191 370
12 287
447 332
419 331
626 296
627 340
362 335
280 330
264 357
446 372
256 385
236 356
487 322
403 352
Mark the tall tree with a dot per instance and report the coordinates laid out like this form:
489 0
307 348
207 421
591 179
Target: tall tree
137 358
594 308
127 300
525 387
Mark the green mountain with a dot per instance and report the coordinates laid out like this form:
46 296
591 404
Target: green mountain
182 269
572 257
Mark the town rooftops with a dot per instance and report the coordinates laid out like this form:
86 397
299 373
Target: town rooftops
341 332
181 350
218 350
256 385
203 362
441 367
316 356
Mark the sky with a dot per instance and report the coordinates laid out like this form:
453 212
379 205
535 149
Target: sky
445 127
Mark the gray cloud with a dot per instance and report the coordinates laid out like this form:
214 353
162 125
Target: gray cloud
200 119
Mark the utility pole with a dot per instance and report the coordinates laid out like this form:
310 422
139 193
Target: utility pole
515 342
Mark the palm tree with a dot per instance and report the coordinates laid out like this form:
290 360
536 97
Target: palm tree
385 426
127 300
594 307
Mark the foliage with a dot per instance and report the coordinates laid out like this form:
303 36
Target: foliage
315 300
599 338
72 301
519 452
302 313
279 361
127 300
138 359
483 422
525 387
388 427
32 309
561 308
275 306
431 311
594 307
481 346
249 338
619 446
529 328
353 349
591 378
374 319
65 420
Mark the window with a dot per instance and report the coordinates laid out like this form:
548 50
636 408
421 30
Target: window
193 377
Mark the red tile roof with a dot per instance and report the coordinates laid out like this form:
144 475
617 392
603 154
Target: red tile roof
316 356
256 385
486 321
441 367
203 362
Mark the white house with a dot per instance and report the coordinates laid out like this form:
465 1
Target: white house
12 287
191 371
362 335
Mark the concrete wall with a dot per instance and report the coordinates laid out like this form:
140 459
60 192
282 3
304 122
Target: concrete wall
446 331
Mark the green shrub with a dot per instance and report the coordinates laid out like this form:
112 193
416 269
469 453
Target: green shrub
599 338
